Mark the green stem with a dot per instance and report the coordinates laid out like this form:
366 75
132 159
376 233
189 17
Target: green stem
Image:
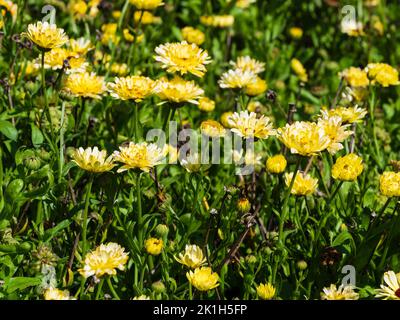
44 93
139 209
136 115
110 286
190 291
99 289
85 215
61 155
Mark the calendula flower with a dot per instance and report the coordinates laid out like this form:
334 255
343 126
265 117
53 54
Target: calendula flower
78 8
192 162
56 294
212 128
192 257
265 291
46 36
237 79
296 32
347 168
154 246
352 28
219 21
119 69
355 94
335 131
206 104
391 289
80 46
389 183
243 4
134 88
256 88
183 58
348 115
193 35
178 90
247 125
383 74
276 164
141 156
59 58
104 260
203 278
87 85
225 119
146 4
303 184
247 63
243 205
145 17
341 293
93 160
299 69
304 138
355 77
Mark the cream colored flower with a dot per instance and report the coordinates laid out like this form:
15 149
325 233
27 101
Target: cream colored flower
237 79
247 125
192 257
56 294
178 90
46 36
341 293
134 88
391 289
87 85
335 130
104 260
93 160
203 278
247 63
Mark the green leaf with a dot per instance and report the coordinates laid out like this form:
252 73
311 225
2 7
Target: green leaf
341 238
20 283
50 233
8 130
37 136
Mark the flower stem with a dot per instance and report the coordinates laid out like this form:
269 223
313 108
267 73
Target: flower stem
44 93
136 115
99 289
190 291
110 286
139 208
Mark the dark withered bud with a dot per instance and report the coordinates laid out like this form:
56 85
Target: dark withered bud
271 95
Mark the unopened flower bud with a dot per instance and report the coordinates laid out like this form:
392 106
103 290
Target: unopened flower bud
244 205
32 163
301 265
158 287
162 230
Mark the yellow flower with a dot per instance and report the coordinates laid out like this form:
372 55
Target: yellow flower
178 90
203 278
276 164
347 168
104 260
296 32
377 25
352 27
341 293
131 38
93 160
8 7
225 119
255 106
348 115
192 257
390 184
145 17
243 205
192 163
172 154
134 88
193 35
265 291
154 246
206 104
303 184
219 21
78 8
383 74
390 291
80 46
304 138
237 79
142 156
248 64
212 128
56 294
247 125
146 4
355 77
335 130
109 34
85 84
120 69
183 58
243 4
299 69
46 36
56 57
256 88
